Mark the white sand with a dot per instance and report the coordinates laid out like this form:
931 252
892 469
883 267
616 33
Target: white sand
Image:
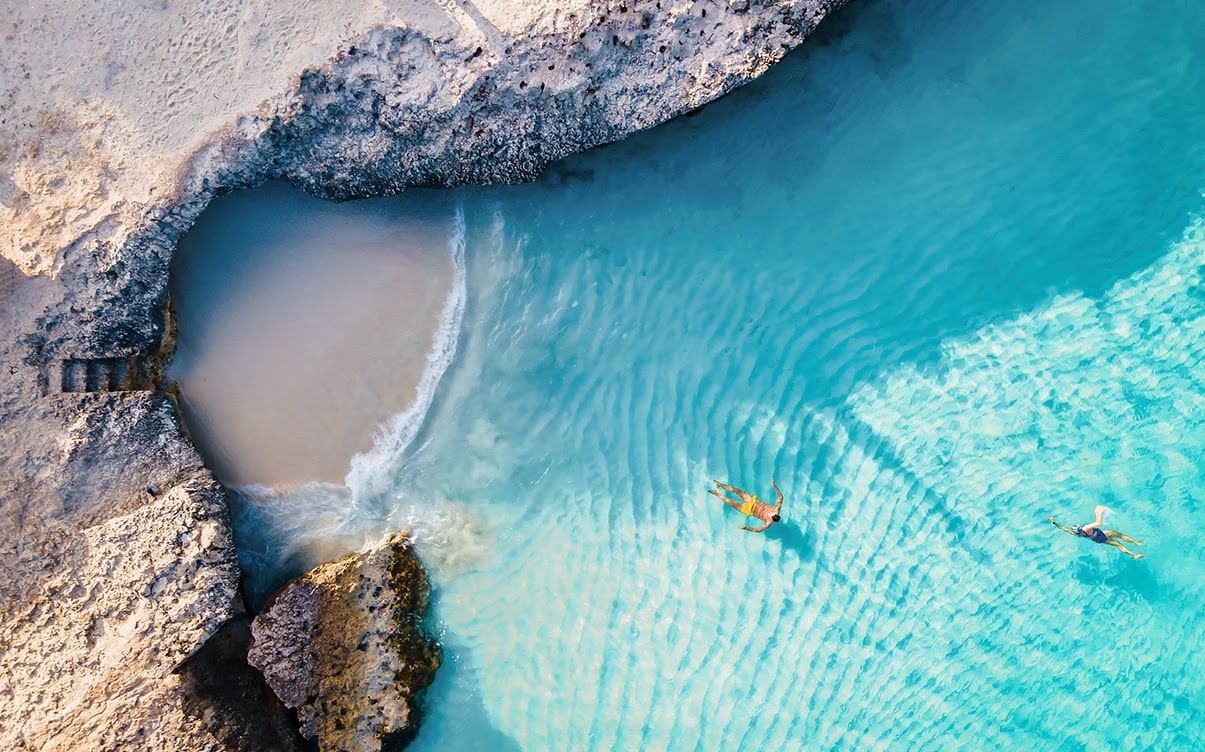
101 102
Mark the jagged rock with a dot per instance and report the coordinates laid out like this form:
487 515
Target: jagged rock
105 589
345 645
231 699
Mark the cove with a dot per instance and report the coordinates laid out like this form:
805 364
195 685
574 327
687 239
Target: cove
304 325
940 275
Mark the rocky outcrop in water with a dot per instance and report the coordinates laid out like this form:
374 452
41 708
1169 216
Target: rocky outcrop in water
345 646
111 147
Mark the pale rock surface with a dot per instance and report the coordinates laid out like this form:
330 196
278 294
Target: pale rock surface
104 588
344 644
113 112
119 121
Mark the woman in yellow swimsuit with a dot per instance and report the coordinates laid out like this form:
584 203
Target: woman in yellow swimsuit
751 506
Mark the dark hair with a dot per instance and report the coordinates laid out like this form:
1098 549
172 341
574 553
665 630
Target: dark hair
776 518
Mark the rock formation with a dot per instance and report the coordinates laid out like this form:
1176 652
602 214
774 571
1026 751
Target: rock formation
118 123
105 588
345 645
230 699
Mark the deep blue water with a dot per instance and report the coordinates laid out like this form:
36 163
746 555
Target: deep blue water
940 273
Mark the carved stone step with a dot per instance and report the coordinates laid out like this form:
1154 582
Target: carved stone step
78 375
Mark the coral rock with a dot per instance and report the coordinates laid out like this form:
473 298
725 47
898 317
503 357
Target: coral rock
345 645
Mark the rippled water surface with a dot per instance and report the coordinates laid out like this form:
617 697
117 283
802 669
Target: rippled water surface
941 274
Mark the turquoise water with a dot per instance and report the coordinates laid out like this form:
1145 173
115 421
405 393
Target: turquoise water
941 274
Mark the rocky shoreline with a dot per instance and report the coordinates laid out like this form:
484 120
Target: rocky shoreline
117 565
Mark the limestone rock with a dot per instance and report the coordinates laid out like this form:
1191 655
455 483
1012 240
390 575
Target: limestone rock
105 588
231 700
345 645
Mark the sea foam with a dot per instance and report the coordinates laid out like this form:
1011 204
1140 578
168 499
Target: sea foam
282 532
372 471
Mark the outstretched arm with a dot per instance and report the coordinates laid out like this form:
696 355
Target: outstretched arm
1067 530
756 529
772 483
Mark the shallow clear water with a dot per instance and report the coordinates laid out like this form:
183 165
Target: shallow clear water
941 274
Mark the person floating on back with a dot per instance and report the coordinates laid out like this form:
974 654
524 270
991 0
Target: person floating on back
1095 533
750 506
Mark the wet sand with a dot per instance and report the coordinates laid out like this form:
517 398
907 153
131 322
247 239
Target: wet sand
303 325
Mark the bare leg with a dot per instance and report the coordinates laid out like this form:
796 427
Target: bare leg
1124 550
724 499
1100 519
732 489
1123 536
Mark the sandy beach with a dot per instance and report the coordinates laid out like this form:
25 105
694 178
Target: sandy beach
303 326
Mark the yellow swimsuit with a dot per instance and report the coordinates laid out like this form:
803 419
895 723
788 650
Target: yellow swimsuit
747 507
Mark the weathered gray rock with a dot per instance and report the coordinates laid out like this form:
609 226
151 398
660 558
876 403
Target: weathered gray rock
345 645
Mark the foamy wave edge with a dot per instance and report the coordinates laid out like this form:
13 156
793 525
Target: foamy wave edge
371 471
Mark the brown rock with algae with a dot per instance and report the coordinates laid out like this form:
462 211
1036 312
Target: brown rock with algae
345 646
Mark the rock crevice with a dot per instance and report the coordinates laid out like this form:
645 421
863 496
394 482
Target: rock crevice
345 645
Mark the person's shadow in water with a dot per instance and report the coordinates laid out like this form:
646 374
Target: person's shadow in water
1122 574
793 538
